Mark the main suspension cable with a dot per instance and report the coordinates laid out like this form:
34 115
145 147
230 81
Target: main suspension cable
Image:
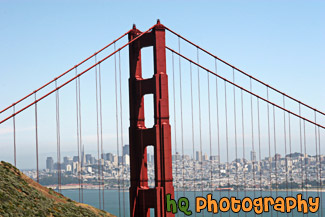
80 74
226 80
66 72
244 73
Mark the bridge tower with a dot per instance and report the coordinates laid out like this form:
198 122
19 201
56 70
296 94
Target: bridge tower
142 198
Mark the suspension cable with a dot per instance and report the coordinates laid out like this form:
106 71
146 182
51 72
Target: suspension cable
117 136
101 133
36 141
210 140
320 171
226 80
121 116
58 137
269 144
275 156
301 151
259 141
285 145
243 135
235 128
200 122
227 139
252 123
181 107
306 191
317 153
80 74
290 150
99 162
218 130
192 118
14 127
175 125
66 72
241 71
78 137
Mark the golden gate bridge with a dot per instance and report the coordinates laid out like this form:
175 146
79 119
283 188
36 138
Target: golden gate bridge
215 108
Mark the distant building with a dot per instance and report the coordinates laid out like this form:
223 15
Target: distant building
215 158
277 157
198 156
205 157
253 156
126 159
109 157
126 150
49 163
75 158
88 157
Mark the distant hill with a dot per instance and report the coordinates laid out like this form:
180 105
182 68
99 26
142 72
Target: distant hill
21 196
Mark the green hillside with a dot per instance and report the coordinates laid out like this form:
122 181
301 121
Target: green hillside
21 196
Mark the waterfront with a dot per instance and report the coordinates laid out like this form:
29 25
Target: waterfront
112 201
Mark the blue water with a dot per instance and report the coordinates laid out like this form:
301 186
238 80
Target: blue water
117 207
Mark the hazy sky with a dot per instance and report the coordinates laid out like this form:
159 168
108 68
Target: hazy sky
279 42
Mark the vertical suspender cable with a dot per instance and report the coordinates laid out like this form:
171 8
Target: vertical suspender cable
285 145
320 172
317 153
275 157
227 140
101 132
306 175
200 124
290 150
192 114
78 138
235 128
253 145
58 137
175 126
117 137
269 143
259 142
99 162
243 135
218 129
301 161
181 104
121 116
36 139
14 126
210 141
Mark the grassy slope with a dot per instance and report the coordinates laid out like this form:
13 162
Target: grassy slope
21 196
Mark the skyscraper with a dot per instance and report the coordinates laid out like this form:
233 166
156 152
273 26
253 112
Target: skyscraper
49 163
126 150
198 156
253 156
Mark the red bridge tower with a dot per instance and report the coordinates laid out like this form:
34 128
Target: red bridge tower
142 198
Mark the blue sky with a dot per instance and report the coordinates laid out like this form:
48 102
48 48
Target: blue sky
279 42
